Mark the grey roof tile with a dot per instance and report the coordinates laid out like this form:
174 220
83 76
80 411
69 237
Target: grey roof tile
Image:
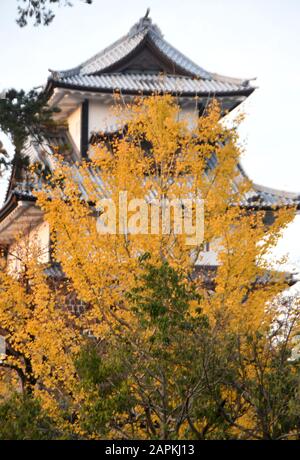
265 197
154 82
259 197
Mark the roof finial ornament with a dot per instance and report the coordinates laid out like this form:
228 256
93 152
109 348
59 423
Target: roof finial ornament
54 74
144 25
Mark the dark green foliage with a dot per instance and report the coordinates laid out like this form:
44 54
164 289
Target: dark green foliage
104 375
171 366
21 418
24 115
272 390
162 298
3 158
40 11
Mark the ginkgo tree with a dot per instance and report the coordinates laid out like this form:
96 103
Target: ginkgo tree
167 340
159 159
41 337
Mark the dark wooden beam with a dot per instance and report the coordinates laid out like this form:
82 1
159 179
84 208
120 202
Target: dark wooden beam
84 144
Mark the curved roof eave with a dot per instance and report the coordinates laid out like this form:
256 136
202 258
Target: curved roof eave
52 84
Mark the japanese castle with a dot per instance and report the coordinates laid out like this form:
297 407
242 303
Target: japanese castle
140 63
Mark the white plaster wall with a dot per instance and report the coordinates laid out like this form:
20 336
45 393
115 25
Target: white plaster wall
190 115
74 123
36 241
210 257
102 117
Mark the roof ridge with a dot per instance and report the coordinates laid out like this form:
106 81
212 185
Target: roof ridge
147 73
273 191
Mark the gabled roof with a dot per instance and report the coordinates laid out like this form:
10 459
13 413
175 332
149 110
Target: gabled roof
135 63
144 30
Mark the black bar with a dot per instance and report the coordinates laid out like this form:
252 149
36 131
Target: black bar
235 450
84 144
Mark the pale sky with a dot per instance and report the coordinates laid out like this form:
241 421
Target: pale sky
238 38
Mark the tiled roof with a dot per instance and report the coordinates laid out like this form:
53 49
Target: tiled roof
152 82
98 71
265 197
208 273
54 271
258 197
